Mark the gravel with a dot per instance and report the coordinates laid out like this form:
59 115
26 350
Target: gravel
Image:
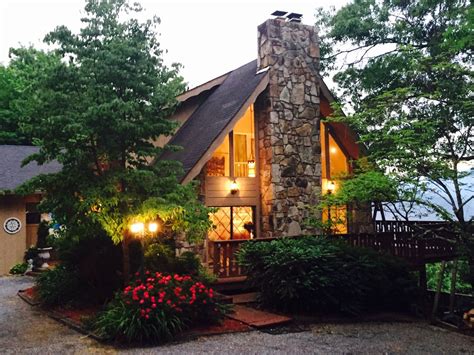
26 330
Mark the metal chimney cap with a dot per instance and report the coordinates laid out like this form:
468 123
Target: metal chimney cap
279 13
294 17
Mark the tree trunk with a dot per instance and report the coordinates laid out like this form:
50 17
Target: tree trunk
126 258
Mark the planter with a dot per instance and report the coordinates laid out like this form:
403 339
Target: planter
44 256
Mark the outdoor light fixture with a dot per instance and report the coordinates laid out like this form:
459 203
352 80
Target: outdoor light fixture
331 186
251 165
234 187
137 227
152 227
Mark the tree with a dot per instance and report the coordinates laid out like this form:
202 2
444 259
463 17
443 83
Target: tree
97 112
26 66
407 73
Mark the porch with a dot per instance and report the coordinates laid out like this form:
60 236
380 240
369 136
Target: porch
418 243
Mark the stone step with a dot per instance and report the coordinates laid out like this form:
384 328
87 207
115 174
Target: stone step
256 318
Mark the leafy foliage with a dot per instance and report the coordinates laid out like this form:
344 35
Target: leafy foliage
94 260
19 269
27 66
156 309
462 281
98 111
405 67
321 274
58 286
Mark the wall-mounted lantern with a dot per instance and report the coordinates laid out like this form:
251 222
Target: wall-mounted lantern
234 187
331 186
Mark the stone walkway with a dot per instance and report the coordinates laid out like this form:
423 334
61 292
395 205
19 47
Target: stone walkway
25 330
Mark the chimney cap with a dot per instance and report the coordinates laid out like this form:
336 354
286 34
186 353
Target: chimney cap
294 17
279 13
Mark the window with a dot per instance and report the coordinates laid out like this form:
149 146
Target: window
241 141
32 214
235 222
334 164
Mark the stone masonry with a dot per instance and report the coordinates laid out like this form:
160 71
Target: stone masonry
288 127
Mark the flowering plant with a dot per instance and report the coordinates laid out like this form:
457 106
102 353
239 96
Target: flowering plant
158 307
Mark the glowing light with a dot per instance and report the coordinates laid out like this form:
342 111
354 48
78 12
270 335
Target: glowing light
251 164
234 187
153 227
137 228
333 150
331 186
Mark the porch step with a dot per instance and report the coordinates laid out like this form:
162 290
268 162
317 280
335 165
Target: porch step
242 298
256 318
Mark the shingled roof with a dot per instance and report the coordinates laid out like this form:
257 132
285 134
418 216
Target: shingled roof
12 175
214 115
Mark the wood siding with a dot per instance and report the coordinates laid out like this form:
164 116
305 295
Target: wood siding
217 192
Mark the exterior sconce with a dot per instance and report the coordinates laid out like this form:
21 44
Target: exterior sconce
331 186
251 165
234 187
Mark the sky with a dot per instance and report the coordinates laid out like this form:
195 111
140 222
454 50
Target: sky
209 38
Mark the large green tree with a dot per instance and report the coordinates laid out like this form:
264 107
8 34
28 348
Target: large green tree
97 112
405 68
27 65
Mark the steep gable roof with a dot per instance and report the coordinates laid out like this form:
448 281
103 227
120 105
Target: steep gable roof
207 126
12 174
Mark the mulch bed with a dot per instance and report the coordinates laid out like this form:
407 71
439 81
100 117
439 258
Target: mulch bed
75 317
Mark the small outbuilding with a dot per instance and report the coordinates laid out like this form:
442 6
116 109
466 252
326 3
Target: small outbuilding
19 216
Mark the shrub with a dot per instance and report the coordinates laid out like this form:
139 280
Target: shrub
58 286
158 308
19 269
160 256
94 260
321 274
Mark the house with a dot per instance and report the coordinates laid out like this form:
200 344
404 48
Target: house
19 217
255 142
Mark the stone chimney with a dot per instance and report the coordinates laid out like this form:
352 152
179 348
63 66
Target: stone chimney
288 126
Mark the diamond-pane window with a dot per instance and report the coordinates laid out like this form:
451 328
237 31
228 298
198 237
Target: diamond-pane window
232 223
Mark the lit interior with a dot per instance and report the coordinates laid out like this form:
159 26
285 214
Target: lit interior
232 223
338 166
244 150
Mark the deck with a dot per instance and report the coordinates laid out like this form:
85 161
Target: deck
415 242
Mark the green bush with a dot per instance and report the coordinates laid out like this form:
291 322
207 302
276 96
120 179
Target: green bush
19 269
462 280
158 308
58 286
320 274
95 260
160 256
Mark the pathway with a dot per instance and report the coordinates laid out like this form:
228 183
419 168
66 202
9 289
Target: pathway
24 330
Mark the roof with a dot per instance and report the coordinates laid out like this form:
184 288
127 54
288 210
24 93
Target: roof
215 114
12 175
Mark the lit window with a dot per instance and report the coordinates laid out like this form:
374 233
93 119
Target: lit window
242 139
232 223
219 164
334 164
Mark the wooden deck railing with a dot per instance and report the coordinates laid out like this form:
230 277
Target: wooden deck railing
417 251
407 226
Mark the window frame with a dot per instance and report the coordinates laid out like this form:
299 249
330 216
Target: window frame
231 220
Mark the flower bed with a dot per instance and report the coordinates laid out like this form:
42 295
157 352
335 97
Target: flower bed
158 307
